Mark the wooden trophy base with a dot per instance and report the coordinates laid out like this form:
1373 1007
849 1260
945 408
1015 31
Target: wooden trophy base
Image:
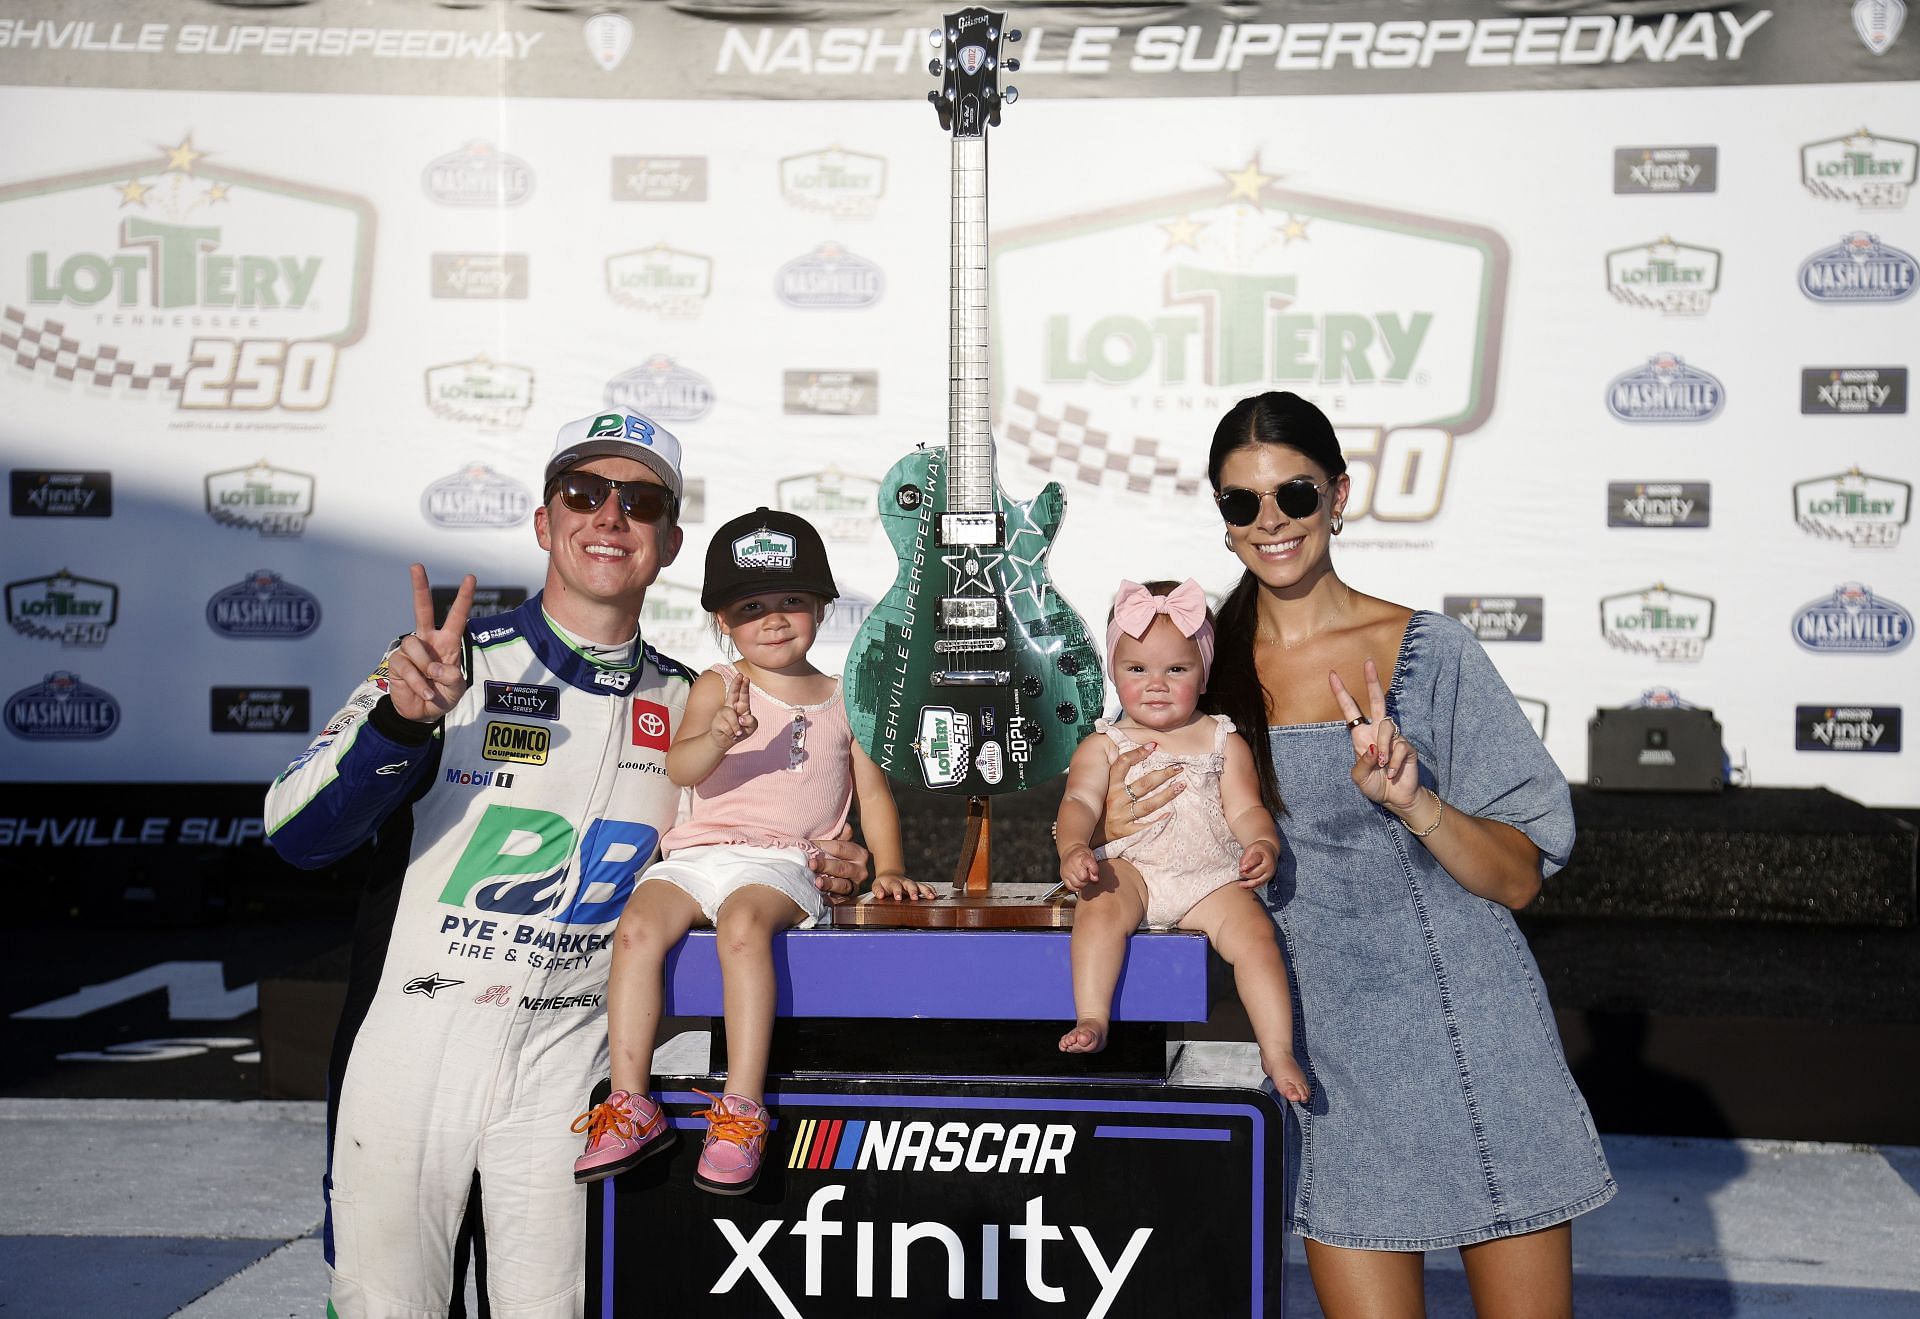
976 903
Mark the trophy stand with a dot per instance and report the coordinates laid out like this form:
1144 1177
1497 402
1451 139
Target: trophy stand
976 902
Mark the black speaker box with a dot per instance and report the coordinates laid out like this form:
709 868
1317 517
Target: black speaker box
1655 750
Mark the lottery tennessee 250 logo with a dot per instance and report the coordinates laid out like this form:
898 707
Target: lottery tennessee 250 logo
179 273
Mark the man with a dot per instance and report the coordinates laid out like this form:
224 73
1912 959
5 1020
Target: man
511 772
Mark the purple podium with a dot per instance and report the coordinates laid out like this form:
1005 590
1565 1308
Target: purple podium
933 1152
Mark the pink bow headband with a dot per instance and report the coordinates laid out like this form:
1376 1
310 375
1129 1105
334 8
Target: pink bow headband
1135 608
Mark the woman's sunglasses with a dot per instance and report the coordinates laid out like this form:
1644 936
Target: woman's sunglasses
643 501
1298 498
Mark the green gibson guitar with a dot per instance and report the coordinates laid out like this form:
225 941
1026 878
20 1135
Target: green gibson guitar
971 675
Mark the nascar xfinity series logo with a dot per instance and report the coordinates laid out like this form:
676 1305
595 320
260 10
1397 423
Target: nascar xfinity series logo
1665 169
1112 324
1673 278
1853 391
1853 621
178 273
37 493
1853 506
1859 268
830 393
661 279
1869 171
1666 389
1657 621
1659 504
263 605
1846 728
62 709
263 498
1498 618
75 611
659 178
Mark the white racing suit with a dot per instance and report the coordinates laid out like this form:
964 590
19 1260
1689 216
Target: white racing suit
520 822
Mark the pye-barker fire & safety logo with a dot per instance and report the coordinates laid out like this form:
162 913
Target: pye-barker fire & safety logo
1658 621
75 611
229 289
1870 171
1108 325
1671 277
1853 506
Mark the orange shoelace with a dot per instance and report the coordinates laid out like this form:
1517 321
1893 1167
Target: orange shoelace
727 1124
603 1118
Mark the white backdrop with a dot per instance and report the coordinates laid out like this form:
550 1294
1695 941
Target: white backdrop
1195 249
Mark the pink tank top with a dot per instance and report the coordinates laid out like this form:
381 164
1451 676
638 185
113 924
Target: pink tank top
788 784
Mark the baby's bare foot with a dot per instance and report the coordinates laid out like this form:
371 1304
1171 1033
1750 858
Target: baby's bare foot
1288 1078
1087 1036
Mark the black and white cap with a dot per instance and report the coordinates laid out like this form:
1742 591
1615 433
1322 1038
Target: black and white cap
765 550
618 435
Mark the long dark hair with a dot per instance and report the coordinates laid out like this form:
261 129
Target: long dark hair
1233 688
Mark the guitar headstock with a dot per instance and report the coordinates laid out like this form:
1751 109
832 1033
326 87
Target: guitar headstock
969 69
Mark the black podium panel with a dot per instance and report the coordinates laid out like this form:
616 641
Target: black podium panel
895 1198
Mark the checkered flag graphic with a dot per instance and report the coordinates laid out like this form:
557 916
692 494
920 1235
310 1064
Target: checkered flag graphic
1064 445
47 344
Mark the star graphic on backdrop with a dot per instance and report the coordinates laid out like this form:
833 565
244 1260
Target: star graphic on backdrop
183 156
1182 232
1294 227
217 192
132 192
1247 181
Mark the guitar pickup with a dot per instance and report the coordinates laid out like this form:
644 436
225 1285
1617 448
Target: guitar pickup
969 644
973 612
973 678
971 529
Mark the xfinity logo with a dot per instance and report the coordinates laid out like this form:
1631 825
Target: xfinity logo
1853 391
1498 618
1659 504
1665 169
1846 728
491 275
980 1282
44 494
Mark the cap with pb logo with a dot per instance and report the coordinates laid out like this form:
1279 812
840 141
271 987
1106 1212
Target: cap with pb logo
765 550
618 435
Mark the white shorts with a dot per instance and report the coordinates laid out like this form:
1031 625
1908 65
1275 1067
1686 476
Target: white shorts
712 874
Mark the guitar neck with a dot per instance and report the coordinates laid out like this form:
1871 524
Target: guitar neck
969 402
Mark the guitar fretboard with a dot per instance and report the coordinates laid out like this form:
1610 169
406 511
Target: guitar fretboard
969 402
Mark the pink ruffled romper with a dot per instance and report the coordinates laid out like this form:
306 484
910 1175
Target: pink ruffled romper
1188 851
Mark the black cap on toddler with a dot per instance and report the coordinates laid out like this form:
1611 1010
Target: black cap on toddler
765 550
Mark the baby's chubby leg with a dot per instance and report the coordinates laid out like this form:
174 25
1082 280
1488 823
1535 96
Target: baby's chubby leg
1242 933
1108 910
657 916
749 918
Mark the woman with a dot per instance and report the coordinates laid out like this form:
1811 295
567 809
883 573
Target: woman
1442 1113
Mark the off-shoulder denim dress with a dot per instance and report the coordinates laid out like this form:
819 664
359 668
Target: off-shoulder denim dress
1443 1113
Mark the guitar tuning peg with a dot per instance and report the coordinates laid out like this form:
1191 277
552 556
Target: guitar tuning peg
935 98
1013 34
933 67
933 36
1011 66
1013 94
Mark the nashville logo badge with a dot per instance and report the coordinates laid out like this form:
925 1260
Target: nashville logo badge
478 174
1853 621
267 499
1867 170
1673 278
1666 389
263 606
491 394
1859 268
660 387
829 276
847 185
662 280
178 274
1112 325
1657 621
62 709
75 611
1863 510
476 496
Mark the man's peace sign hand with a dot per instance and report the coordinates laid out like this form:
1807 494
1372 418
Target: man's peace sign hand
1386 768
425 679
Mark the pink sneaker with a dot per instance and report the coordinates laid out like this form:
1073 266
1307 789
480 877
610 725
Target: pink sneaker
620 1131
736 1135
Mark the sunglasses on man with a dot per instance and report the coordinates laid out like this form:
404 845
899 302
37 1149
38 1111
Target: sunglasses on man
642 501
1298 498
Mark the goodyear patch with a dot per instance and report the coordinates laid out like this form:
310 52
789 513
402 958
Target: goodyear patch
518 743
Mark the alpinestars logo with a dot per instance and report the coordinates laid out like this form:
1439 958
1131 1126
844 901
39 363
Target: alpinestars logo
269 277
1110 325
429 985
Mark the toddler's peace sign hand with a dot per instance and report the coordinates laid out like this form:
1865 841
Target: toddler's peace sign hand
733 721
424 677
1386 768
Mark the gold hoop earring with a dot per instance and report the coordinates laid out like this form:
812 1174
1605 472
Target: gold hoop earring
1338 520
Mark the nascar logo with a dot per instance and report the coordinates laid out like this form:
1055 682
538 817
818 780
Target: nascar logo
1026 1148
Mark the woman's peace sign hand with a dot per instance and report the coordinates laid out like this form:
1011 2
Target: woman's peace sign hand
1386 768
424 675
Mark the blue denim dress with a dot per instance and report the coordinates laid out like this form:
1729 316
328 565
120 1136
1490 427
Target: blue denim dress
1443 1113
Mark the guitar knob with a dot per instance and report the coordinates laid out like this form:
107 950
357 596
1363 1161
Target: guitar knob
1029 686
933 67
1069 664
1013 34
933 36
1011 66
1067 712
1013 94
